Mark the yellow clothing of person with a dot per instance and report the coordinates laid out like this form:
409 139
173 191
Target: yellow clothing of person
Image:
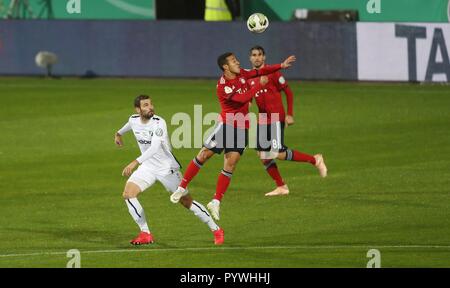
217 10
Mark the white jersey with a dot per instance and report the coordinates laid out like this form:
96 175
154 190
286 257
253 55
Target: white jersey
153 141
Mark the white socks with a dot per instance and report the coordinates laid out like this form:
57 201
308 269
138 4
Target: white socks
137 212
201 212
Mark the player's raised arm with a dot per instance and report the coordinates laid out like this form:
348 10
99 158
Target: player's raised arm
118 136
268 69
288 62
245 97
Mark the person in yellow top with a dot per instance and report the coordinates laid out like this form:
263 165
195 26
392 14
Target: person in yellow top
218 10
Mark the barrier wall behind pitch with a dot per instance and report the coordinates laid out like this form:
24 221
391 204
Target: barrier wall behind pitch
174 48
325 51
403 52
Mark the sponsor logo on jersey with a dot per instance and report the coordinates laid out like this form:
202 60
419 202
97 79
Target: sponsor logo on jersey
145 142
260 91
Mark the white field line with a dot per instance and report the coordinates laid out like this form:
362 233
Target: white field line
317 247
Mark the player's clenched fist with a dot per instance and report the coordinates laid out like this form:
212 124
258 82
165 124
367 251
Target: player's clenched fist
129 169
118 140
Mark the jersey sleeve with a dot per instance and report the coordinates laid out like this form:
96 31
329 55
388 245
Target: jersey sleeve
289 100
157 140
125 128
226 92
281 85
279 80
266 70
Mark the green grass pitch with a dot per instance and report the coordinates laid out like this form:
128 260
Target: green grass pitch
387 148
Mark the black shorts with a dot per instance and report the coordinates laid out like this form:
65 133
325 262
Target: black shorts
270 137
228 138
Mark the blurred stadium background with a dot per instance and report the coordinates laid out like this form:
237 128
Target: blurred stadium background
371 93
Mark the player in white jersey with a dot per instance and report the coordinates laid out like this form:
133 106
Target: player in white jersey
156 163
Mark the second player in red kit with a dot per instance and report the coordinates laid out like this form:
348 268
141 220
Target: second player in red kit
272 120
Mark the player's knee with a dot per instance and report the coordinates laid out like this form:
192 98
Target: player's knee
281 156
186 201
129 193
204 155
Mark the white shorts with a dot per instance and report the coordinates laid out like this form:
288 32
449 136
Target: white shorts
145 178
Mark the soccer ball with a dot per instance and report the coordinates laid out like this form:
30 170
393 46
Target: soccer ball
257 23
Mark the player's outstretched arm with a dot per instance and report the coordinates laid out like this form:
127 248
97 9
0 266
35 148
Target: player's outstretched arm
288 62
266 70
118 136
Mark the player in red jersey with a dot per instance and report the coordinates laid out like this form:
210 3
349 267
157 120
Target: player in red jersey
271 122
231 133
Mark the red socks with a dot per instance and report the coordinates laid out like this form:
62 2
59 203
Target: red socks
222 184
190 173
272 170
294 155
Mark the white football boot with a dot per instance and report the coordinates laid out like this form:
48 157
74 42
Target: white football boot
320 164
280 190
176 196
214 207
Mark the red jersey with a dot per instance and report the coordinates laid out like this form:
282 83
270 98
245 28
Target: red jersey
269 99
235 94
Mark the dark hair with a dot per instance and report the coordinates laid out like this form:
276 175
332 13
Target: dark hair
222 60
137 101
259 48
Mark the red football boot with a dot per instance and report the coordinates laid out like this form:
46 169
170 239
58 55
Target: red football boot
142 239
218 236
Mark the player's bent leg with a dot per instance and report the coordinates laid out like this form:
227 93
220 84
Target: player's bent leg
205 154
281 156
274 173
200 212
316 160
192 170
170 182
230 161
131 191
